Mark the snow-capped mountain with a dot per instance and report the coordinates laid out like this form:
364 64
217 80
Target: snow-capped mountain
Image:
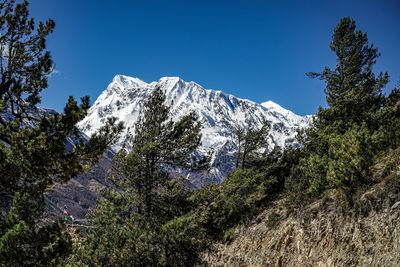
219 113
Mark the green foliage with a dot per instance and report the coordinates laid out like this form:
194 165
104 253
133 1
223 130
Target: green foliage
389 121
234 200
135 241
353 92
183 240
360 122
32 159
351 158
24 61
24 244
243 194
31 162
314 169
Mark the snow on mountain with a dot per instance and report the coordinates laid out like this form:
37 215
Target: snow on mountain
34 114
219 113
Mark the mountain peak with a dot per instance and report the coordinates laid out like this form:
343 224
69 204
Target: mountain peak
271 105
172 82
170 79
126 81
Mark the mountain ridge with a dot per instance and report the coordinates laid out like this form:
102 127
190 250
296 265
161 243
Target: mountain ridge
220 114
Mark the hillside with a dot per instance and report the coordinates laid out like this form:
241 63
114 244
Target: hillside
320 233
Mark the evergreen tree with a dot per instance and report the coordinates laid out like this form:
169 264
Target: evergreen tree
32 159
159 145
353 91
24 61
147 203
355 100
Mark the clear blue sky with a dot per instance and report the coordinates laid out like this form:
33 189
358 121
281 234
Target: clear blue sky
259 50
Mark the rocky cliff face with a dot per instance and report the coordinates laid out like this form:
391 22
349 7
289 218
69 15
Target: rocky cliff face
319 235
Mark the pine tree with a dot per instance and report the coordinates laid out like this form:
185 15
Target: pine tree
355 100
353 91
32 159
158 145
24 61
147 203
